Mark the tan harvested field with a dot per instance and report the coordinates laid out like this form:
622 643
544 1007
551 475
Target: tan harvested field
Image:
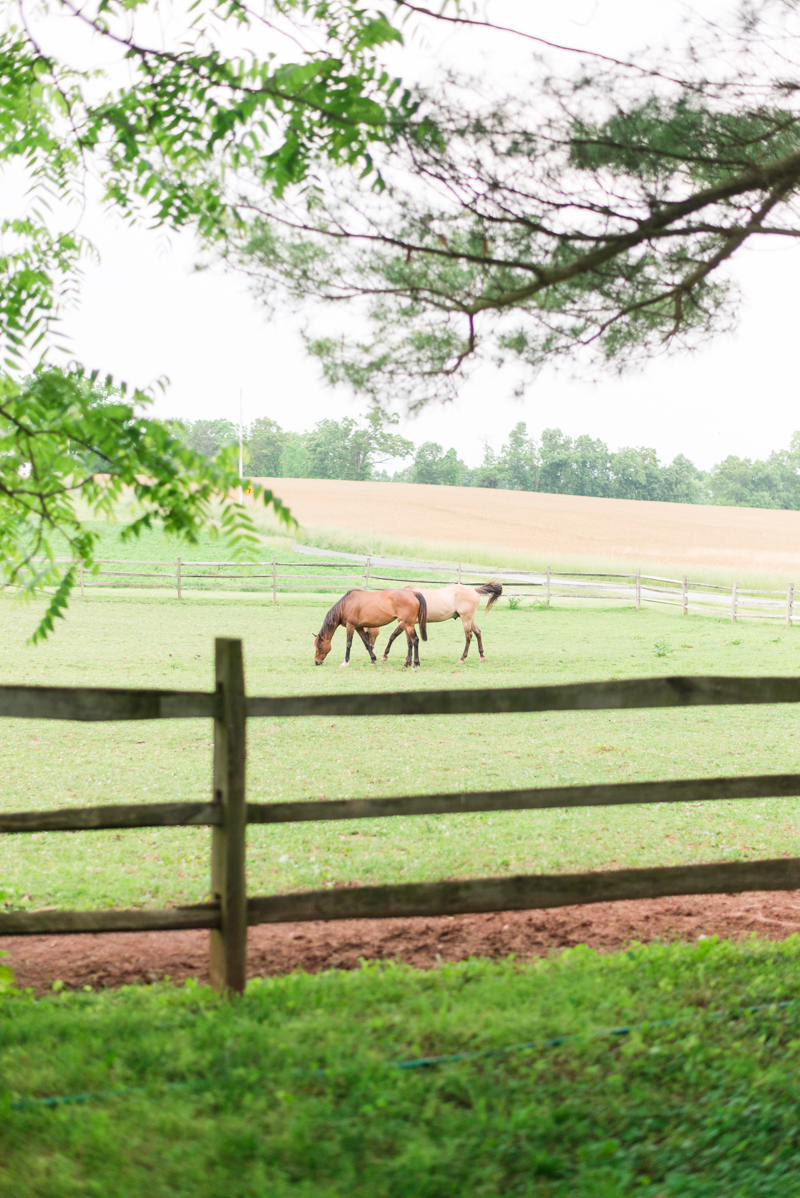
687 537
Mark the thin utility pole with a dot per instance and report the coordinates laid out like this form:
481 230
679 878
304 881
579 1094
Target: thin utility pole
241 463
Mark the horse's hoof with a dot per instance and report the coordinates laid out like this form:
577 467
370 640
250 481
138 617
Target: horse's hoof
344 665
384 659
483 659
461 661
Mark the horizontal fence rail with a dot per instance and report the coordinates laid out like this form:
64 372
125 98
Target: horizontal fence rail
693 790
525 893
470 897
285 577
230 910
114 815
103 703
678 691
62 923
163 815
100 703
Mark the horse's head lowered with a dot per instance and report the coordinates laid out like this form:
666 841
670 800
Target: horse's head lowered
323 638
322 647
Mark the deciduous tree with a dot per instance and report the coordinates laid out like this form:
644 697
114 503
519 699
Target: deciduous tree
163 111
208 437
266 441
343 449
519 460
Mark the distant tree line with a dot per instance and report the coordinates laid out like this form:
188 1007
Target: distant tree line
555 464
332 449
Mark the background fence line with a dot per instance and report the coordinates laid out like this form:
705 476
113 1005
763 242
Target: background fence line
231 910
280 578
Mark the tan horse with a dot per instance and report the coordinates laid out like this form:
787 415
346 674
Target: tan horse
448 603
365 612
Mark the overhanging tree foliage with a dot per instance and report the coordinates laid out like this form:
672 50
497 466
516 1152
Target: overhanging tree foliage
586 213
173 115
59 442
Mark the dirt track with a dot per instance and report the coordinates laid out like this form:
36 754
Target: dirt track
558 525
129 957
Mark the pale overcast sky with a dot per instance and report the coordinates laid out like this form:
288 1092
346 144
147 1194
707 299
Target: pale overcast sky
146 314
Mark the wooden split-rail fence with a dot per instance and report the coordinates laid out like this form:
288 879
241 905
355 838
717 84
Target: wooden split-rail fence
230 910
546 586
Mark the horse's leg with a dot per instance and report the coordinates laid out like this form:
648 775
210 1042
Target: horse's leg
365 638
391 640
413 643
468 635
416 650
477 632
350 631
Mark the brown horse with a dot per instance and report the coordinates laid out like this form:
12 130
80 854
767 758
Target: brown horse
365 612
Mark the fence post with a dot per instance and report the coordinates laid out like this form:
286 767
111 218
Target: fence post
547 592
684 597
178 577
734 601
366 574
638 588
81 577
789 604
274 580
228 947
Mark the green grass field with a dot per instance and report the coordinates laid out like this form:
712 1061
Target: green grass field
143 640
294 1090
214 1098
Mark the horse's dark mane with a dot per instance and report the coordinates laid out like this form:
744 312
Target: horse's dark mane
333 618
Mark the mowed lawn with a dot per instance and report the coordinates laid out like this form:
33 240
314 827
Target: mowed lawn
294 1090
157 641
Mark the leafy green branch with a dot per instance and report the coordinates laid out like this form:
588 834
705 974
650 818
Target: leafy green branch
69 447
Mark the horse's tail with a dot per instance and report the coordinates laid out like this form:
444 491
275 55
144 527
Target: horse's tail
423 615
490 588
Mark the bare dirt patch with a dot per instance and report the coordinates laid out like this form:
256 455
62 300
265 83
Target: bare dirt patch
558 526
134 957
